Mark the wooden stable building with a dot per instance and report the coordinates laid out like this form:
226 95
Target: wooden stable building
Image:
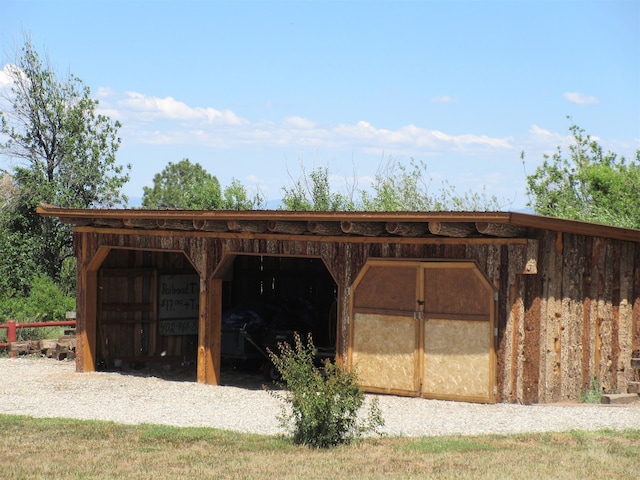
471 306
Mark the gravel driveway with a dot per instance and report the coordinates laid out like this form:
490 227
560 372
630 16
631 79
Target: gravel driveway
51 388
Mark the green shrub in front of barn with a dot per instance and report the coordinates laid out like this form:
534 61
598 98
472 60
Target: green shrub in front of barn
324 400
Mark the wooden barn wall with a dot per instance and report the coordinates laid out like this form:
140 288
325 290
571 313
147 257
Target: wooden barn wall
577 318
589 313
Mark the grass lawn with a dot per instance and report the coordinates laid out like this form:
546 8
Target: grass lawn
32 448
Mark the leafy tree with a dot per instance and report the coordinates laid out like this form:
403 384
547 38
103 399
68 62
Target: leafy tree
46 302
183 185
64 154
313 192
236 197
588 184
188 186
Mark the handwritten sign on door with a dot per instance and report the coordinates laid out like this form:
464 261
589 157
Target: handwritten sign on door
178 304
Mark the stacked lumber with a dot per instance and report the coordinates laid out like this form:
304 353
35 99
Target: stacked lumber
60 349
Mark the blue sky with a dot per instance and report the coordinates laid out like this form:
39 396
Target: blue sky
252 90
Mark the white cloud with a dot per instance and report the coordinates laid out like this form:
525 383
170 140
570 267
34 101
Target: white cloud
146 108
412 136
153 120
299 122
6 76
538 131
579 98
444 99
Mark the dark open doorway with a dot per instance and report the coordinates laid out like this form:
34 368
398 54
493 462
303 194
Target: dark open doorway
265 300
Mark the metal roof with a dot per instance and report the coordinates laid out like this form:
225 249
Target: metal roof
197 219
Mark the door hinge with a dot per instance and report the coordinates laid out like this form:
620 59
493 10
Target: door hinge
495 332
495 389
417 315
495 296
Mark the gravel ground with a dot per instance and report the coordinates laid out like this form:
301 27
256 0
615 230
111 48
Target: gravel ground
51 388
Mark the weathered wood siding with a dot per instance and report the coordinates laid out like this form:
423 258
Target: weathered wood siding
578 317
586 293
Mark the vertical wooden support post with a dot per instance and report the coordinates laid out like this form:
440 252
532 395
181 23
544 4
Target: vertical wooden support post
89 332
209 331
89 261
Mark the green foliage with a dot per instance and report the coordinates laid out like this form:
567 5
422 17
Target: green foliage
587 185
312 192
183 185
236 197
188 186
593 393
65 155
324 401
406 188
397 187
46 301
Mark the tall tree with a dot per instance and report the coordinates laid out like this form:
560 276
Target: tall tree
188 186
183 185
64 154
587 184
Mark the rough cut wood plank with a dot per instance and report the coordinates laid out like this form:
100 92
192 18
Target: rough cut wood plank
292 228
109 222
635 298
571 320
597 262
512 340
171 224
531 350
452 229
405 229
140 223
247 226
500 229
550 314
325 228
607 347
48 343
625 315
531 257
210 225
28 347
369 229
